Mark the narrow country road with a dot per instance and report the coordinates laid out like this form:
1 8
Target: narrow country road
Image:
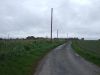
64 61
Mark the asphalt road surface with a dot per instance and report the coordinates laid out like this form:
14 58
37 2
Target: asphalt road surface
64 61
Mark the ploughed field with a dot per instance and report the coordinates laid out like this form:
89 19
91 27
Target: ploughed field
21 57
89 49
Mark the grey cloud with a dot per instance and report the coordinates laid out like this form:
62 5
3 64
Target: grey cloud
21 18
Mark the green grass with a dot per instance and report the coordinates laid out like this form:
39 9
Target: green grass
89 49
21 57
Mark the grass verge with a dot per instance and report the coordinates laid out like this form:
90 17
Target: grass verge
90 50
20 57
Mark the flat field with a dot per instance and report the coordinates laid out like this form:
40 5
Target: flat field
89 49
20 57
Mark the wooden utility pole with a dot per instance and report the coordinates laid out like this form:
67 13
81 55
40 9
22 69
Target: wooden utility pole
51 21
8 37
67 35
57 33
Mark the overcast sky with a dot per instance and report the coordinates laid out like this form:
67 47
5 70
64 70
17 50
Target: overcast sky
77 18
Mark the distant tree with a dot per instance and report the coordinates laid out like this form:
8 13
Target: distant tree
82 39
75 38
56 38
30 37
1 38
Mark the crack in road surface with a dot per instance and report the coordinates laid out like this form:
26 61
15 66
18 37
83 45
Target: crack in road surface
64 61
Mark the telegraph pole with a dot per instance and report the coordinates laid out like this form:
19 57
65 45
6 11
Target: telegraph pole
67 35
8 37
57 33
51 21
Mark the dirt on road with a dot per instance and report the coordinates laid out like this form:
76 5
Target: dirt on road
64 61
